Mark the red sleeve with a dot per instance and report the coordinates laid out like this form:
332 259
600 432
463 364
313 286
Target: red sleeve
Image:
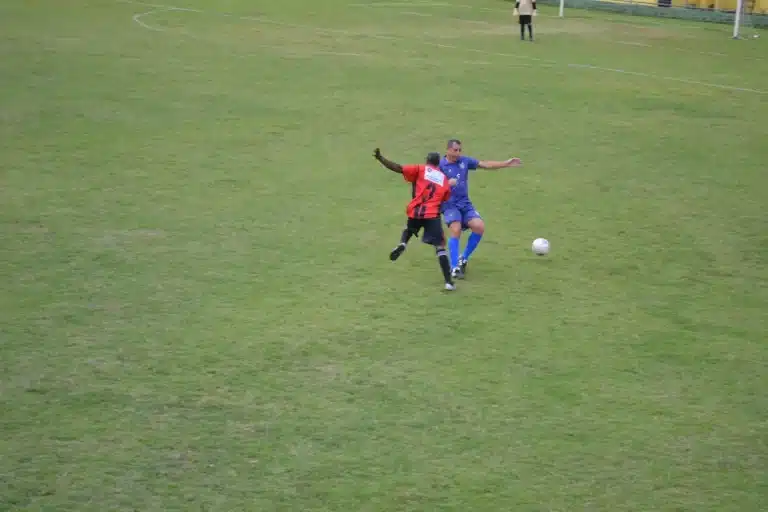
411 172
447 194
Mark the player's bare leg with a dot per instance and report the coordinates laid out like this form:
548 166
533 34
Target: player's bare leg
477 226
453 245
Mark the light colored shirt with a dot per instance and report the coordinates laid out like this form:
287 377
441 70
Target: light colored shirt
525 7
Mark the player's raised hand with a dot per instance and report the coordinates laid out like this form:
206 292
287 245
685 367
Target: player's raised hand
376 153
452 182
513 162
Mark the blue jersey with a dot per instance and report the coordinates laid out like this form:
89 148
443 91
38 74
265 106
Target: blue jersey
459 170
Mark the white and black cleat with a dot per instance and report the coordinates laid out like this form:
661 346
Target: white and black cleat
396 252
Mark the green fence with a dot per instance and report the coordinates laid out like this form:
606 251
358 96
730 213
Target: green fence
708 15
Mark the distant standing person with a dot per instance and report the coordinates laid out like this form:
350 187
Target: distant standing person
525 10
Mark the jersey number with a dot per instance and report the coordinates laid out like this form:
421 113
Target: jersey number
426 196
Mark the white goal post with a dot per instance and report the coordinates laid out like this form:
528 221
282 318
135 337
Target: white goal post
736 18
739 16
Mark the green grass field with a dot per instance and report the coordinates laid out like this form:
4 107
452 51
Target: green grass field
198 311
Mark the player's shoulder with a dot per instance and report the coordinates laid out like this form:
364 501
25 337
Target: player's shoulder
468 162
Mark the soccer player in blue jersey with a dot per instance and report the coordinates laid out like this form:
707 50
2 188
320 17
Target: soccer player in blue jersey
459 213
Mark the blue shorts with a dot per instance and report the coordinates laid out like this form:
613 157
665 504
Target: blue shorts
463 213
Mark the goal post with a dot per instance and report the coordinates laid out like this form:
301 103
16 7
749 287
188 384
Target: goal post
745 17
739 16
736 18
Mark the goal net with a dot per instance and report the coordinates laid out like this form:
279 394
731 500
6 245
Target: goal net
744 19
749 18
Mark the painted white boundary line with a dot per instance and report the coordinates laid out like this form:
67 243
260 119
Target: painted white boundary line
302 53
137 18
648 22
417 5
542 62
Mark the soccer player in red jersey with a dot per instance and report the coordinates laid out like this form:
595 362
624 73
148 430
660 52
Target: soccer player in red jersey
430 189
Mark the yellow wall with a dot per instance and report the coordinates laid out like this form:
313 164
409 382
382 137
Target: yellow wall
761 6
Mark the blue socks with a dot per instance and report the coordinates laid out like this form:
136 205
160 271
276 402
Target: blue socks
453 248
474 240
453 251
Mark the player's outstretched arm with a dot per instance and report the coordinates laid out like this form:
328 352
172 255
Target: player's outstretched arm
499 164
389 164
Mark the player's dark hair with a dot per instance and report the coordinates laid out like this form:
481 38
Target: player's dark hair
433 159
452 142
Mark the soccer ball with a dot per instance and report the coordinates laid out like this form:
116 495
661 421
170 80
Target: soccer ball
540 246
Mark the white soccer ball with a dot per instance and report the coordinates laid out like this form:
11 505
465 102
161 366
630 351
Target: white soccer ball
540 246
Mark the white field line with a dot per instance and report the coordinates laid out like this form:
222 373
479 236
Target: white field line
650 23
421 14
541 62
137 17
632 43
428 4
405 59
417 5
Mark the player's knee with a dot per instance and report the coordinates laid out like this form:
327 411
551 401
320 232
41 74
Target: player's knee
477 226
455 229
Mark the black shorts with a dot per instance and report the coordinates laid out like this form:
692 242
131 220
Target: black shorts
433 230
525 19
